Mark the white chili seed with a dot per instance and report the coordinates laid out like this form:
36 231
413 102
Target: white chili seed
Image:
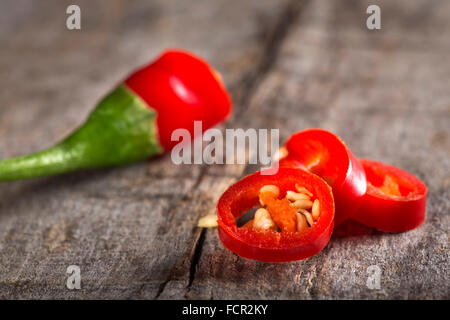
294 196
303 190
280 154
269 188
209 221
301 222
316 209
308 217
302 204
263 220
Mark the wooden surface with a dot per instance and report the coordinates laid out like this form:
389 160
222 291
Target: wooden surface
289 65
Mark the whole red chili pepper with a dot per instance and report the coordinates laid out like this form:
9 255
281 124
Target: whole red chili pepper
270 245
395 200
136 120
181 88
325 154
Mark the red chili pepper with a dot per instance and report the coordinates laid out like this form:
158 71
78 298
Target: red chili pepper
395 200
269 245
181 88
136 120
325 154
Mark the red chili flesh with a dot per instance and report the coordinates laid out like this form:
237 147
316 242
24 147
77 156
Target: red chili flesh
325 154
269 245
395 200
182 88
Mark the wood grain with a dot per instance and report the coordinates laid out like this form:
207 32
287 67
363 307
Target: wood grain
289 65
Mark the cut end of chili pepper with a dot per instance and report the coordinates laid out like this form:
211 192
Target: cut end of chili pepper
395 200
289 241
289 214
390 186
322 153
326 155
283 214
181 88
389 181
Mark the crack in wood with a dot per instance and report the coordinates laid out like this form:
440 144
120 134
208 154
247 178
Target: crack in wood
271 47
250 82
195 257
195 251
162 286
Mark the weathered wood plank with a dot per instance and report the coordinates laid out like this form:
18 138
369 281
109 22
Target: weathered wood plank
130 228
290 65
385 94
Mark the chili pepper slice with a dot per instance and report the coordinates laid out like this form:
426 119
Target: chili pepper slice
269 245
395 200
325 154
136 120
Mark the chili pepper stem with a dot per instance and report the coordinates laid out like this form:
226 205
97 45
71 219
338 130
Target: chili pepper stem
121 130
48 162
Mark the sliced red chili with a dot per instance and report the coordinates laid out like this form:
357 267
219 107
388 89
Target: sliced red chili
269 245
395 200
325 154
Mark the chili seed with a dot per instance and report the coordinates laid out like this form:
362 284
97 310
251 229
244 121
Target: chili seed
263 220
280 154
294 196
316 209
308 217
209 221
303 190
269 189
302 204
302 225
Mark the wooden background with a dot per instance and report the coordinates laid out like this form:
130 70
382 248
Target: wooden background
289 65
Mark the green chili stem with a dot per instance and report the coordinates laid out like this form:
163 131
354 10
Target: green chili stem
122 129
52 161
